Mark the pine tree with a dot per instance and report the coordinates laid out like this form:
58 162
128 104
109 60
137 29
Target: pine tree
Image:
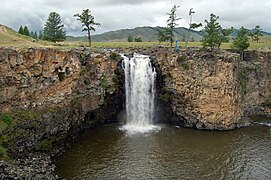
88 22
212 38
130 39
257 33
54 29
26 31
35 35
171 23
21 30
162 35
40 35
241 42
138 39
224 36
32 34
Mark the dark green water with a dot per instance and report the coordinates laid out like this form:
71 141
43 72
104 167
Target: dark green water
171 153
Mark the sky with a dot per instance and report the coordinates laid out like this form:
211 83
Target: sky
123 14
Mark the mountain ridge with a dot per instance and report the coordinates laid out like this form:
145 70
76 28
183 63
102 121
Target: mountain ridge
147 33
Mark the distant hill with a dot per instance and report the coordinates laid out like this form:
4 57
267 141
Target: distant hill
9 37
146 33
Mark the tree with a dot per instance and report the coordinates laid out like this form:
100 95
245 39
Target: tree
88 22
224 35
54 29
26 31
191 26
130 39
21 30
162 35
35 35
252 36
183 37
212 38
241 42
40 35
138 39
257 33
171 23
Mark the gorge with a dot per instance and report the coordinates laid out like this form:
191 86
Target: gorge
48 97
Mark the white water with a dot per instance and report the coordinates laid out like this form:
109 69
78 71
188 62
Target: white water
140 94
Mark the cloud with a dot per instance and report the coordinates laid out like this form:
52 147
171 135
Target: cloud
119 14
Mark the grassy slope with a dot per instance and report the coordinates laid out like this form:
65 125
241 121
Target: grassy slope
9 37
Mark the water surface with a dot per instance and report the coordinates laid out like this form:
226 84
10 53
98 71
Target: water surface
171 153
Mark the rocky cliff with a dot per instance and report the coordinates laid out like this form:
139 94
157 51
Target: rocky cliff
48 96
213 91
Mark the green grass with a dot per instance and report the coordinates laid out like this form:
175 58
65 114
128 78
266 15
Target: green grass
8 119
9 37
98 45
3 152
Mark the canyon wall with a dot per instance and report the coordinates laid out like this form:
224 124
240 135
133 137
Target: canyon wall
47 95
213 91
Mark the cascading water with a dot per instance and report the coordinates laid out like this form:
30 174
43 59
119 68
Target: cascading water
140 93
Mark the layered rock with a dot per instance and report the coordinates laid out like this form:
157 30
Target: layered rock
255 83
202 89
48 96
206 91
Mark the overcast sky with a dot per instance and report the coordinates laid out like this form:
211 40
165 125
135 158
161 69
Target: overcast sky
122 14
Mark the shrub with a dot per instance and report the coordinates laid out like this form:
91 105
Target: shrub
185 65
6 118
61 76
115 56
3 152
243 83
87 82
180 59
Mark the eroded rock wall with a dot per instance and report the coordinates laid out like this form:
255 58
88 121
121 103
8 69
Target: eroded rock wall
255 83
202 89
47 95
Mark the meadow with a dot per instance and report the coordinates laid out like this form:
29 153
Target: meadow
10 38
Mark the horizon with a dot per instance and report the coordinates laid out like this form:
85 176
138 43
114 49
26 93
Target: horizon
124 14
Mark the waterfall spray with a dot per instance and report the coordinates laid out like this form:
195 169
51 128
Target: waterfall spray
140 93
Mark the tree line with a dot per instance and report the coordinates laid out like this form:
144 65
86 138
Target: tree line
214 34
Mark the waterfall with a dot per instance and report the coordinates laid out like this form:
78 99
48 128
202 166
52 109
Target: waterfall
140 93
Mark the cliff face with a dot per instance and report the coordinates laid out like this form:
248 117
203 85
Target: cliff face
36 77
255 83
203 90
47 95
213 92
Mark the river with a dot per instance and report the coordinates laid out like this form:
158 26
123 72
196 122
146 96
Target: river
170 153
